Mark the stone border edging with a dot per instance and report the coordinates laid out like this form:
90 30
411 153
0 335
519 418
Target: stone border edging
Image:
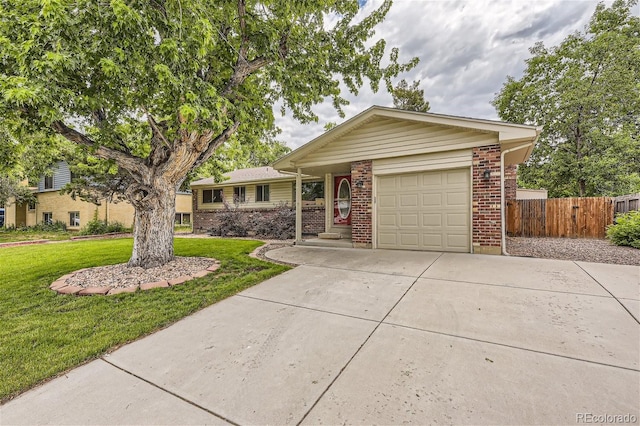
23 243
60 285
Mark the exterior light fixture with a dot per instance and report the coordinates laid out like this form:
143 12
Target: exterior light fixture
359 183
486 174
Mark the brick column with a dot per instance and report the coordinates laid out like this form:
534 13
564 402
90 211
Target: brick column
487 234
510 184
361 203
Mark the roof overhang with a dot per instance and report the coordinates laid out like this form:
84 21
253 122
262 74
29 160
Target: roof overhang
508 134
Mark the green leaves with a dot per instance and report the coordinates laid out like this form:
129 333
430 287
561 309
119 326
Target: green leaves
585 94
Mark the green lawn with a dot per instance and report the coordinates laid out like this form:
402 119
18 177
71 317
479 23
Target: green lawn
43 334
13 236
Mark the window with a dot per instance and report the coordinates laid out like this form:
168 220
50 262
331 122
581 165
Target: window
32 205
183 218
312 190
262 192
48 182
211 196
47 218
74 218
239 194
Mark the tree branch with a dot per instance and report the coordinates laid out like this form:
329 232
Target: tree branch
219 140
128 162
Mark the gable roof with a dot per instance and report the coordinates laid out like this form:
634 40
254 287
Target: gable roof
505 133
254 174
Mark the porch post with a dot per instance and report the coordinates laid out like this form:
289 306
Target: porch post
299 205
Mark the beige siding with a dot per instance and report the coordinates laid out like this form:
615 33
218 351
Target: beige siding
279 193
61 205
423 162
382 138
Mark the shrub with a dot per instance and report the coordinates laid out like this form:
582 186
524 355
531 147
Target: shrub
231 223
626 230
280 226
98 227
57 226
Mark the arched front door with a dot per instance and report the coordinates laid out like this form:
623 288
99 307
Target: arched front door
342 200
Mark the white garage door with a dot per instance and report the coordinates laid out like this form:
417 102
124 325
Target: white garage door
424 211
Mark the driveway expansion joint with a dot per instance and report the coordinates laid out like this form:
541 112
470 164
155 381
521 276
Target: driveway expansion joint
457 336
612 295
175 395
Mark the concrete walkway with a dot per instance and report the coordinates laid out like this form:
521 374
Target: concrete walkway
386 337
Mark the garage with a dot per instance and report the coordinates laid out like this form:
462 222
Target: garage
424 211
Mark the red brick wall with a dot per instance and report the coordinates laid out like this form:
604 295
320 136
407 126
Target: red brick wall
510 185
485 220
313 220
361 203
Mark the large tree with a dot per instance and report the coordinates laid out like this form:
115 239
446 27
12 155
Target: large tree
585 95
157 86
409 97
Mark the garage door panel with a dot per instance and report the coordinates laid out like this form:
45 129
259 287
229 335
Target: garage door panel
432 241
409 240
457 219
409 181
386 182
457 177
430 199
424 211
409 220
388 239
408 200
387 220
457 242
432 219
457 198
387 201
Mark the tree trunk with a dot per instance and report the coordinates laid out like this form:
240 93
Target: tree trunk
153 226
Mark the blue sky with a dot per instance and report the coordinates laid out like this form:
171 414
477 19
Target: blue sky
467 48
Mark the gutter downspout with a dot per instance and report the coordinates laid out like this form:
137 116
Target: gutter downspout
503 210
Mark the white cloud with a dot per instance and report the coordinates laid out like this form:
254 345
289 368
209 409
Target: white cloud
466 51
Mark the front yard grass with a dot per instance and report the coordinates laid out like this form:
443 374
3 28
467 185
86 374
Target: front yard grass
11 236
43 334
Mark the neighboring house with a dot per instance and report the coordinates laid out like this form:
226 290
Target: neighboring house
531 194
52 206
417 181
258 190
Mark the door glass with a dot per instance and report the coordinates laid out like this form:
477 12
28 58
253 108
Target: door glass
344 198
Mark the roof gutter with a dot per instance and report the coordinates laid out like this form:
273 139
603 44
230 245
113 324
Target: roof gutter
503 221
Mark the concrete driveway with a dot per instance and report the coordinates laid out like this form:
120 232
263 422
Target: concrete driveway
378 337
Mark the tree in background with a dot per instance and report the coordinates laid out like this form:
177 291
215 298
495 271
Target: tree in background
409 98
156 87
585 95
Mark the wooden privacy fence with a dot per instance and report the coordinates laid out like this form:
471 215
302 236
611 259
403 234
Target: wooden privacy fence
560 217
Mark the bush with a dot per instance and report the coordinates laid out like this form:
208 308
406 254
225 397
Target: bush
279 224
98 227
232 223
57 226
626 230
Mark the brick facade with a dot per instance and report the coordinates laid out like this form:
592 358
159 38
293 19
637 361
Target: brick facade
313 221
486 221
510 184
361 203
203 220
